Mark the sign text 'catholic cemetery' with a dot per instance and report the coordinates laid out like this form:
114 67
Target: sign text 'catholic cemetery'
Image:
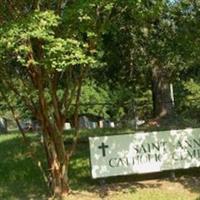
144 152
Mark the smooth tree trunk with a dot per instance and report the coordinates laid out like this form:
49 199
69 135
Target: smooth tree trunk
57 158
161 94
52 128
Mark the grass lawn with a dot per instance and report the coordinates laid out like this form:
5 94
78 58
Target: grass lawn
21 179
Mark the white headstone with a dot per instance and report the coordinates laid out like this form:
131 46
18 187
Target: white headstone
101 124
112 124
67 126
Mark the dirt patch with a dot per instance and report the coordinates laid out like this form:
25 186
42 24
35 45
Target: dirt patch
187 186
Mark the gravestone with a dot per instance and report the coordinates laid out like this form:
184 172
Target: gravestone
101 124
93 125
84 122
67 126
3 125
112 125
108 124
89 121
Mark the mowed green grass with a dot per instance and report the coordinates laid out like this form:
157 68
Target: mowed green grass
21 179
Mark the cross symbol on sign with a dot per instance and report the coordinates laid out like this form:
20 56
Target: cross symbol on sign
103 147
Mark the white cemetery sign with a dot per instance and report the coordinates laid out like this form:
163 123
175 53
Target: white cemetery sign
144 152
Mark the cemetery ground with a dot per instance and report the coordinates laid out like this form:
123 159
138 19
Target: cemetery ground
21 179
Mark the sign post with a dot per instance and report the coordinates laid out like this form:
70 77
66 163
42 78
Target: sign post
144 152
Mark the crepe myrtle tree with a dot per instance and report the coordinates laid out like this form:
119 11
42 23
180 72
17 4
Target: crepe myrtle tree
46 49
45 69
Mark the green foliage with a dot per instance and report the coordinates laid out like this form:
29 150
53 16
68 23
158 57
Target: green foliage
129 36
39 27
95 99
144 35
188 100
115 104
193 94
61 54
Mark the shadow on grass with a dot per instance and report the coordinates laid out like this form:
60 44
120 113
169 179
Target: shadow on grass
189 179
81 179
20 178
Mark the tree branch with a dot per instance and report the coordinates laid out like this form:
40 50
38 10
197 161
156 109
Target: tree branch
76 112
55 101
